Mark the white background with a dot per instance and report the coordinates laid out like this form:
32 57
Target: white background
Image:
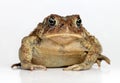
19 17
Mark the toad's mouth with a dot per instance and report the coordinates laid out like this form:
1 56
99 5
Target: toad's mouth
63 38
65 35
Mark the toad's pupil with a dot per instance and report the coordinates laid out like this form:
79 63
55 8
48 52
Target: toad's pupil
51 22
78 22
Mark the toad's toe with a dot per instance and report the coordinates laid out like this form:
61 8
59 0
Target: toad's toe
34 67
75 67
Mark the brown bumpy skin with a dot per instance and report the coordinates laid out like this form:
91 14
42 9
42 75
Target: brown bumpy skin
60 41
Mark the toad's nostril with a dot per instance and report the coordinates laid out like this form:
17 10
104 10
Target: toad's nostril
70 25
62 25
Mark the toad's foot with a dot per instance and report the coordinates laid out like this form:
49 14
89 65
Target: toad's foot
101 58
87 64
29 66
17 65
77 67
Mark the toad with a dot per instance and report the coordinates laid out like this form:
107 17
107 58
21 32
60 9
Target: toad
60 42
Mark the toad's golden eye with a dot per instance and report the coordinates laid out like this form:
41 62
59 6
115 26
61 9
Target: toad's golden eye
51 21
78 22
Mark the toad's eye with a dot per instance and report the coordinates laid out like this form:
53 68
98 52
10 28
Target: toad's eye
78 22
51 21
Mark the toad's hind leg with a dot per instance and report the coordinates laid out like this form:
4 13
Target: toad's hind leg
101 58
26 53
86 64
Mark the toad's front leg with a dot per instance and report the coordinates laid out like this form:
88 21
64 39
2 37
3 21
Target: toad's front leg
93 56
25 54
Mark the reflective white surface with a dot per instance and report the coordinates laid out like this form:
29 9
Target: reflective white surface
57 75
19 17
